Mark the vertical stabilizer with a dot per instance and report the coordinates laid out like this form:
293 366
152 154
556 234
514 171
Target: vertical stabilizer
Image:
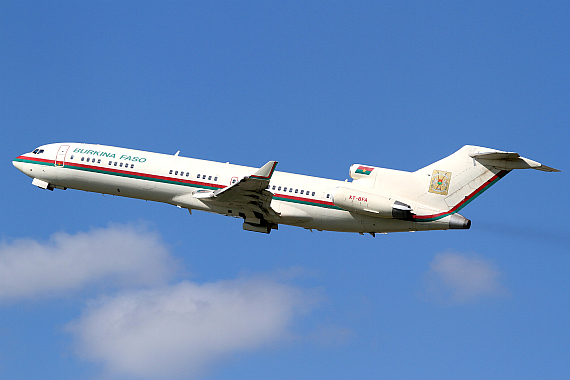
451 183
455 181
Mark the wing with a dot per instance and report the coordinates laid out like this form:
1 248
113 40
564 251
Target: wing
249 194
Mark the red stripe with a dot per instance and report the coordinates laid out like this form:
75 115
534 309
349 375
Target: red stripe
35 159
327 203
118 171
177 179
172 179
466 199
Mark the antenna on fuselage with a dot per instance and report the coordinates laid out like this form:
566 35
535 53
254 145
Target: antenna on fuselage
176 154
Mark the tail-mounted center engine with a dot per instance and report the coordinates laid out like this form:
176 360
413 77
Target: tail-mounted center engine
371 204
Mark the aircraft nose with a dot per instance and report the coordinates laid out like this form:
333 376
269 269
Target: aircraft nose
18 164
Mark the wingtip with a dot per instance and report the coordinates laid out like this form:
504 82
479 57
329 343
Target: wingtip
266 171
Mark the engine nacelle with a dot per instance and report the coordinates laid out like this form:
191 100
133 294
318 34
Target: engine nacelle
371 204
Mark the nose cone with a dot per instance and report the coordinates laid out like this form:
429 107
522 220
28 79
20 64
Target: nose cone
18 164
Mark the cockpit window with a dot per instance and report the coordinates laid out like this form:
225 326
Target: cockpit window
37 151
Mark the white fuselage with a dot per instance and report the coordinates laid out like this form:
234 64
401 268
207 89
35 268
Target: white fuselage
298 200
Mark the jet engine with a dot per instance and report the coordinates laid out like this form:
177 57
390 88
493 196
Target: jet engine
371 204
358 171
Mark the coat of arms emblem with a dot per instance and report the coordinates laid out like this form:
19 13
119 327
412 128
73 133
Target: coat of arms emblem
440 182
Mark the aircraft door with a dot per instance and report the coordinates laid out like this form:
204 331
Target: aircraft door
61 153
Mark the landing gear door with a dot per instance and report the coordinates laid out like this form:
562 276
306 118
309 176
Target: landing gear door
61 153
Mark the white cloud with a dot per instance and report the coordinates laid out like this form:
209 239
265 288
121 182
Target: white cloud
120 255
150 328
458 278
180 329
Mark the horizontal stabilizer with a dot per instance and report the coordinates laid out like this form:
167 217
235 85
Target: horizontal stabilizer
510 161
496 155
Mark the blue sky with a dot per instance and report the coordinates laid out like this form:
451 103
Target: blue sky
95 287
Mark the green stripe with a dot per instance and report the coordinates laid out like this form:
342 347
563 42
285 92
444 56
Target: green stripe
308 203
464 204
135 176
125 175
172 182
34 162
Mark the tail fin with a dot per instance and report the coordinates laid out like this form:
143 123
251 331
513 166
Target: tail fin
455 181
446 186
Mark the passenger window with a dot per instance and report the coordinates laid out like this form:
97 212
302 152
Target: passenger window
82 158
187 174
132 166
313 194
302 191
209 178
121 164
71 158
170 172
110 162
115 163
291 190
328 195
198 176
279 188
182 174
204 176
176 172
215 179
99 161
273 187
285 189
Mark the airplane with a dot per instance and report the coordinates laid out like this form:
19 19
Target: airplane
377 200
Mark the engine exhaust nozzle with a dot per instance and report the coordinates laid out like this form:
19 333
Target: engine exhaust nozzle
459 222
